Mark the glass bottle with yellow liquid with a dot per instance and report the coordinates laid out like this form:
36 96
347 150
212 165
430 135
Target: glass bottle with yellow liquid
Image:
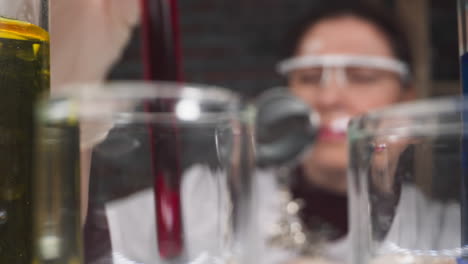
24 75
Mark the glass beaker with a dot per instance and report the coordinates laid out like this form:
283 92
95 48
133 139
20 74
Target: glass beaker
159 174
408 183
24 73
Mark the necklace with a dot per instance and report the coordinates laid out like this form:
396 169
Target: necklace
290 232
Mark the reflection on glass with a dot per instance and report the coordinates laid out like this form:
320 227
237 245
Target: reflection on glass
405 184
57 228
159 174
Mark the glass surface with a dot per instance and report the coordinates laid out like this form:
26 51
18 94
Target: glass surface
408 189
463 41
293 220
35 12
155 167
24 74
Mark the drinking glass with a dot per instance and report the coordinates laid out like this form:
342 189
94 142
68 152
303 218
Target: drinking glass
140 172
24 74
407 183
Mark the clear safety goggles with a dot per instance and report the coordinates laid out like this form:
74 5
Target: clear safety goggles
348 69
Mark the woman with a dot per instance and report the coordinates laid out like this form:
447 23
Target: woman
344 58
359 61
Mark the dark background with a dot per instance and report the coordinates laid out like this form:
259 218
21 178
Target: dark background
235 44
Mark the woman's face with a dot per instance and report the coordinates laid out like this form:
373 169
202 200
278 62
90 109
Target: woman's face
364 90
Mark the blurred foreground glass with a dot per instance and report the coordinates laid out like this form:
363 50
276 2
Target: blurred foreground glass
408 184
463 41
159 172
24 73
293 219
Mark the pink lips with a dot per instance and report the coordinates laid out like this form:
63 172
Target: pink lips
335 131
328 134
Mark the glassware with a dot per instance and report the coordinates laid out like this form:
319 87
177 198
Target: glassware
407 179
24 73
291 215
463 36
159 174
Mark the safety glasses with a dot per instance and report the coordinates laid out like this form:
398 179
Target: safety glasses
349 70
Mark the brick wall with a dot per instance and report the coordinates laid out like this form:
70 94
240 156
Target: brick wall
235 43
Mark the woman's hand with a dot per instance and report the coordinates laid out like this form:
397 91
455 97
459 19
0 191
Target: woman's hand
87 37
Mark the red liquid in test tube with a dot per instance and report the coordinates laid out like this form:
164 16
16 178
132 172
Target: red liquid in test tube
162 61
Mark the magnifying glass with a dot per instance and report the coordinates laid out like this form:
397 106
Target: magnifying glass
285 126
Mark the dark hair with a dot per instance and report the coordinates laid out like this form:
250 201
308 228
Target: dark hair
385 20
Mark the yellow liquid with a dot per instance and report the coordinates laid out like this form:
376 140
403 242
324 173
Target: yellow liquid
24 74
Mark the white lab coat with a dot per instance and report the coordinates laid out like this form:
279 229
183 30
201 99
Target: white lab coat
418 224
423 224
204 208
